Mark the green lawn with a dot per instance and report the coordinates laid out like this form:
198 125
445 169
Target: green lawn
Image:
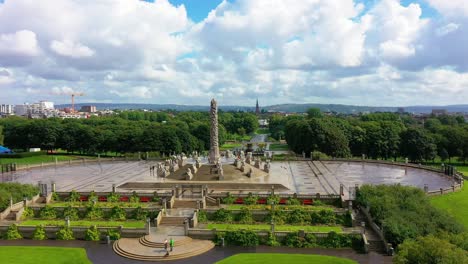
455 204
325 229
86 223
260 258
228 146
43 255
279 147
262 131
37 159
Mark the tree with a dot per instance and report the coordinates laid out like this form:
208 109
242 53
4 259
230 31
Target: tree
430 249
417 145
1 135
314 113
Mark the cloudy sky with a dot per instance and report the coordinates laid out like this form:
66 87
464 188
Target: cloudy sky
363 52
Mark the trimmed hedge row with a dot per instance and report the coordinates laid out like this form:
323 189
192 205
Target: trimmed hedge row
92 212
296 216
64 233
294 239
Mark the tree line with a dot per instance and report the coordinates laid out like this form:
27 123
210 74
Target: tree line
376 135
126 132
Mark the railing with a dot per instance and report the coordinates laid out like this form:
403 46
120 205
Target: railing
376 228
157 220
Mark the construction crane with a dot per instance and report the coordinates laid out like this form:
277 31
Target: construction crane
73 100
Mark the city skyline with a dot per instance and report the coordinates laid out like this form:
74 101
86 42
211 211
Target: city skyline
373 53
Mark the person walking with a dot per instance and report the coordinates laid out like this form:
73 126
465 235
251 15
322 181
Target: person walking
171 244
165 244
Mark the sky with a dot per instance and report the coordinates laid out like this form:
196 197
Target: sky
360 52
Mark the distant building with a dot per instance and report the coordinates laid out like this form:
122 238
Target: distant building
257 108
21 110
439 112
6 109
88 109
263 122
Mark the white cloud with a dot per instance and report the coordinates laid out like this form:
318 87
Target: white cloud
71 49
329 51
20 43
450 7
449 28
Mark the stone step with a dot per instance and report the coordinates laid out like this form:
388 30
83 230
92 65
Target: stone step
178 241
172 221
185 204
376 246
132 249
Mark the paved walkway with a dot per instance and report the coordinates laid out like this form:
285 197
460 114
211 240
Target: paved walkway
103 254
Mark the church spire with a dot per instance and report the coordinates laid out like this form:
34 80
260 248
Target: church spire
257 108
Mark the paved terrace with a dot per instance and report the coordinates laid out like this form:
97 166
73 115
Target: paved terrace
304 177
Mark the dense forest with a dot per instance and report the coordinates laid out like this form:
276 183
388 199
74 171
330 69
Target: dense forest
377 135
126 132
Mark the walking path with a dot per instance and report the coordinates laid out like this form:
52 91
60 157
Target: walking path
100 253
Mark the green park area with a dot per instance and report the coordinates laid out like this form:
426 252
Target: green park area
37 255
84 223
259 258
291 228
37 159
277 147
456 204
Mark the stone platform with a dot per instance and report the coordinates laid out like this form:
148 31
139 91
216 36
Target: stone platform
231 173
151 247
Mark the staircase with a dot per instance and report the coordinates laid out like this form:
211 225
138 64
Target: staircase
151 247
172 221
377 246
193 204
11 216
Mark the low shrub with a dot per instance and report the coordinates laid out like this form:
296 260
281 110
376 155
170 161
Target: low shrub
278 216
229 199
134 198
293 201
118 214
202 216
251 199
27 213
298 216
113 198
244 238
74 196
65 233
71 212
48 212
113 234
325 216
293 240
244 216
94 213
273 199
92 234
222 215
335 240
13 233
272 241
139 214
55 197
39 233
92 197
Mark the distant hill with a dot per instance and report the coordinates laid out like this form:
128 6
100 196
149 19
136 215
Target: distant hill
289 108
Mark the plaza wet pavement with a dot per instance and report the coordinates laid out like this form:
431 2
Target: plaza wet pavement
100 253
304 177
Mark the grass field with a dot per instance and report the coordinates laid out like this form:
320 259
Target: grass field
260 258
279 147
325 229
43 255
230 146
37 159
262 131
86 223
